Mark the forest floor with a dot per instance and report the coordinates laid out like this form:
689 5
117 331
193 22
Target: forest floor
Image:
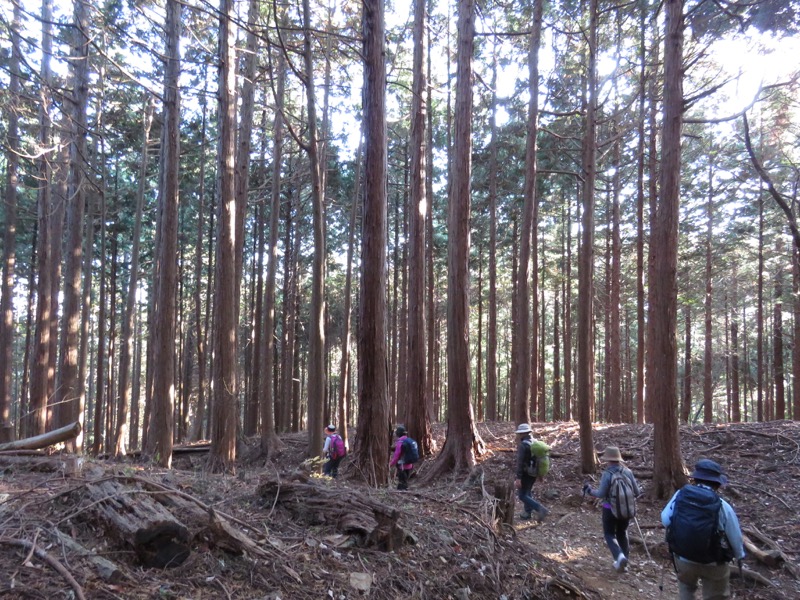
288 534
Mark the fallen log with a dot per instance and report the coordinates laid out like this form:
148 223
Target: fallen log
44 556
771 558
372 524
108 570
752 532
44 440
751 575
135 519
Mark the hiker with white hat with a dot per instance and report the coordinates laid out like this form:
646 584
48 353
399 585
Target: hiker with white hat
618 489
526 475
703 533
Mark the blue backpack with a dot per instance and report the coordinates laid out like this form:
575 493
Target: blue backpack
410 452
694 532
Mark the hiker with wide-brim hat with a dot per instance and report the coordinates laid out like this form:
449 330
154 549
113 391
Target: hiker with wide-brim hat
703 533
525 480
618 489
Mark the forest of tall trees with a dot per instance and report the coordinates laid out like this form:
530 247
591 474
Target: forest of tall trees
250 218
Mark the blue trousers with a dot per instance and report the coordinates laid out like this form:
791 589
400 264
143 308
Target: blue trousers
526 485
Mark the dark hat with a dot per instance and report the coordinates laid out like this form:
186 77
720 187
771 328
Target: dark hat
708 470
400 431
331 428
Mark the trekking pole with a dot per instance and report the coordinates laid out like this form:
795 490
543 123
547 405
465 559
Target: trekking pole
635 520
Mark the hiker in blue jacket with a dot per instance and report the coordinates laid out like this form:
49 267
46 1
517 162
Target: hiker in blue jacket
615 526
524 482
714 571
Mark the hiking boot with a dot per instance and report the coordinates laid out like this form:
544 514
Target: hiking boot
542 514
526 516
621 564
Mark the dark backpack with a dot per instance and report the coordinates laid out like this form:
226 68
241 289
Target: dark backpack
621 495
694 532
410 452
337 449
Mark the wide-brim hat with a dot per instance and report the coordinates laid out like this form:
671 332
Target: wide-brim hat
611 453
708 470
524 428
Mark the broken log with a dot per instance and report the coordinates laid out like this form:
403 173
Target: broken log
135 519
107 570
372 524
771 558
44 440
753 532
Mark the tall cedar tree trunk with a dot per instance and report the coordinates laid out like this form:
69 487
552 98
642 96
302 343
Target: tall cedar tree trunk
568 407
616 411
127 341
661 326
491 328
69 386
417 417
777 344
735 400
525 348
269 439
344 365
760 316
10 233
88 328
585 367
640 239
430 278
373 387
197 295
708 408
36 422
463 440
652 189
796 332
686 405
99 442
223 417
316 354
59 195
159 435
249 60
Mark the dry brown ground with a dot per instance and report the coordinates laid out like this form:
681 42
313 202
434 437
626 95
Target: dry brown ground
452 552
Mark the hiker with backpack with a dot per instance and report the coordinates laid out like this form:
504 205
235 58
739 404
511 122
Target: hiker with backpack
334 450
618 489
703 534
528 469
406 453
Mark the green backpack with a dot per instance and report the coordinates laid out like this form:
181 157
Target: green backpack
539 458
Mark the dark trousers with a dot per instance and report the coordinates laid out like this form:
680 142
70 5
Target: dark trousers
615 532
402 477
331 468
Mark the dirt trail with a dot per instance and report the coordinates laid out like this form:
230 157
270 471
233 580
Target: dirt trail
572 536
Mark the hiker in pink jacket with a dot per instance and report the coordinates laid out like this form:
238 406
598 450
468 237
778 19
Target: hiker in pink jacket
399 458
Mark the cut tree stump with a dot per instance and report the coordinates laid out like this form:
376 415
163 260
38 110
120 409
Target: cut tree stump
504 492
373 524
137 520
